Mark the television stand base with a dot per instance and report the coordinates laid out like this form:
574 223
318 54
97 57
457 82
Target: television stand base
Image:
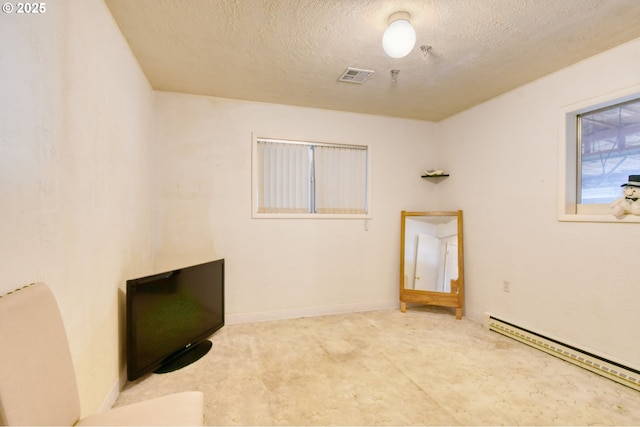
184 357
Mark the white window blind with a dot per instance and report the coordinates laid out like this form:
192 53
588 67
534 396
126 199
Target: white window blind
285 177
295 177
341 179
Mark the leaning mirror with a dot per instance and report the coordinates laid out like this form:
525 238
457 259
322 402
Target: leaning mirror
431 259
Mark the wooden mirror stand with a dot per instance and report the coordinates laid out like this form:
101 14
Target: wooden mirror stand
432 259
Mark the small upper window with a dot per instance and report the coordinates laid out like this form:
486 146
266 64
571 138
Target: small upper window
307 179
600 149
609 151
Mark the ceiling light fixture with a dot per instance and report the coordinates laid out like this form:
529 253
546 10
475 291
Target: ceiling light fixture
399 38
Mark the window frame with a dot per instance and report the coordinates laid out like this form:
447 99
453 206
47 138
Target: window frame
255 181
568 207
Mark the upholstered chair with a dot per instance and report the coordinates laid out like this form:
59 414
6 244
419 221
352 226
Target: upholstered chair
37 378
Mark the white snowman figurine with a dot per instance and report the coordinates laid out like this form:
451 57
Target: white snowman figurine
630 202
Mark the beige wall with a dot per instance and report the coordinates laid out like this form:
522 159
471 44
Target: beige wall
281 268
75 127
575 281
81 188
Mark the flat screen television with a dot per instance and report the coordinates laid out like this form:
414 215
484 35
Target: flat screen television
170 316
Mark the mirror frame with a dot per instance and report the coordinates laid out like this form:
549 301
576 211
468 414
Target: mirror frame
453 299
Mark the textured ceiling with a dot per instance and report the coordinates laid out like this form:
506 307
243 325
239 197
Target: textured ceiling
293 51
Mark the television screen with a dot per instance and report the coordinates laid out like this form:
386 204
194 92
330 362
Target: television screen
170 315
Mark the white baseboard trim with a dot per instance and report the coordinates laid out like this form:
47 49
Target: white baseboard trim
263 316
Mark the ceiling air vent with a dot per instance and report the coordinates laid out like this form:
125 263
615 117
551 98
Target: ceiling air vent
355 75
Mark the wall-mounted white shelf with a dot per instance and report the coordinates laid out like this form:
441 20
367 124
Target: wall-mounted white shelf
435 177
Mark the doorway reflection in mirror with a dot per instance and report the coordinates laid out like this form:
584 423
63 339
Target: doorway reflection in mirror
434 245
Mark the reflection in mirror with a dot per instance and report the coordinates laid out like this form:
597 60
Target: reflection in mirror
431 252
431 259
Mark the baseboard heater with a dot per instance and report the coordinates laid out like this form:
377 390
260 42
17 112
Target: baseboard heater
607 368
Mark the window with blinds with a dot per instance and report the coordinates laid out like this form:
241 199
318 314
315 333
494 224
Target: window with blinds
599 150
303 179
608 150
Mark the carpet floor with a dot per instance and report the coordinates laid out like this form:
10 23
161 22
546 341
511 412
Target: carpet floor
385 367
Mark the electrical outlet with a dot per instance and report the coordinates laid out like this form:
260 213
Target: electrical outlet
506 286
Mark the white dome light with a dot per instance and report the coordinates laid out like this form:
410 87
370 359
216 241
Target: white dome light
399 38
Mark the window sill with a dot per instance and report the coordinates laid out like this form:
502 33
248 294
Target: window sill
598 218
309 216
594 213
